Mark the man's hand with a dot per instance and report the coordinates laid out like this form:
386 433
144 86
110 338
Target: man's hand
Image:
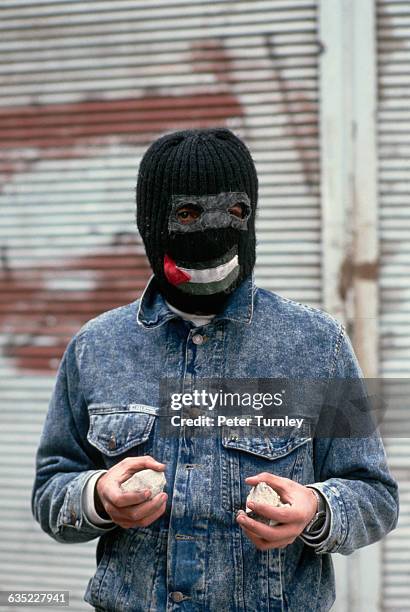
293 519
130 509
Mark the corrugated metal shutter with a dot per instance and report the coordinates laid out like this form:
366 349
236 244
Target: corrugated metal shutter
394 161
84 88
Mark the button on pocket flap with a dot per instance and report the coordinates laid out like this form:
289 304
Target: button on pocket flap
268 442
116 428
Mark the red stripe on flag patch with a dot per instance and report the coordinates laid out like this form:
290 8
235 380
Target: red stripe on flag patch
174 275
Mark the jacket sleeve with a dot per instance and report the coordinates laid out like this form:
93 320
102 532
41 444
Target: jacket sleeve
65 460
353 475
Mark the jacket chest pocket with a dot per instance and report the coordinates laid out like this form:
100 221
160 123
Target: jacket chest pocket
121 430
249 451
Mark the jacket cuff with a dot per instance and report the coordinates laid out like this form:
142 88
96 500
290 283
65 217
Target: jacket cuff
314 537
87 501
71 515
338 520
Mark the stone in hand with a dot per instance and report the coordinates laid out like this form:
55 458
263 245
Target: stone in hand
262 493
145 479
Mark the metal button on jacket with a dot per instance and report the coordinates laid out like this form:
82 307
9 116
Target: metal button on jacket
177 596
198 339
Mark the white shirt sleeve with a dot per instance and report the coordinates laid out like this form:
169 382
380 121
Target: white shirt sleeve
315 537
87 501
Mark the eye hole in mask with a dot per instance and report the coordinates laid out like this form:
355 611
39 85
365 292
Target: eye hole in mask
188 213
239 210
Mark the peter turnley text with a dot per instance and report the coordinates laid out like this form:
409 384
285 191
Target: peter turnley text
222 420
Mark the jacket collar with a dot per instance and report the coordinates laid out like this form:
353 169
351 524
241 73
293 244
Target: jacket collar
153 310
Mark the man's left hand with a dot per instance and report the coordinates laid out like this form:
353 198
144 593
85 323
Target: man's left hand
293 519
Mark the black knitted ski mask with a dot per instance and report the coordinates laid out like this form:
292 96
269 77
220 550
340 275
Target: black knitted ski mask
197 193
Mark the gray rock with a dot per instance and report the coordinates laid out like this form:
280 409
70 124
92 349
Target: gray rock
262 493
145 479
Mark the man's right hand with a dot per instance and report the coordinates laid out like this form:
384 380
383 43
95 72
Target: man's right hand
130 509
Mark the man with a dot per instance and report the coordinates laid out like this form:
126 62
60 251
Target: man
202 317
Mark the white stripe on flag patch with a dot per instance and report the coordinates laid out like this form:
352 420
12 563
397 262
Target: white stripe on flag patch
210 275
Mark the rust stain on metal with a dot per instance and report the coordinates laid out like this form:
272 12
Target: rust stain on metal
349 271
367 270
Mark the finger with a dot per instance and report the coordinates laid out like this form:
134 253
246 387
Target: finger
153 517
122 499
262 544
282 515
147 508
282 485
259 542
138 512
131 465
264 531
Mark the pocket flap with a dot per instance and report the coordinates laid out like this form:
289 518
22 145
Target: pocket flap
115 428
270 443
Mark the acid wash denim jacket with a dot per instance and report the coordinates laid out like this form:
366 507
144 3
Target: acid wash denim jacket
104 407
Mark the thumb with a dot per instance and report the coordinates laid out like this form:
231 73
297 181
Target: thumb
136 464
148 462
280 484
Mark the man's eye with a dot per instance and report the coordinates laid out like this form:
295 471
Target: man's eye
238 210
188 214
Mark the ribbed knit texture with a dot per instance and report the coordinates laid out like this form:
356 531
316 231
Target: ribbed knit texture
194 162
